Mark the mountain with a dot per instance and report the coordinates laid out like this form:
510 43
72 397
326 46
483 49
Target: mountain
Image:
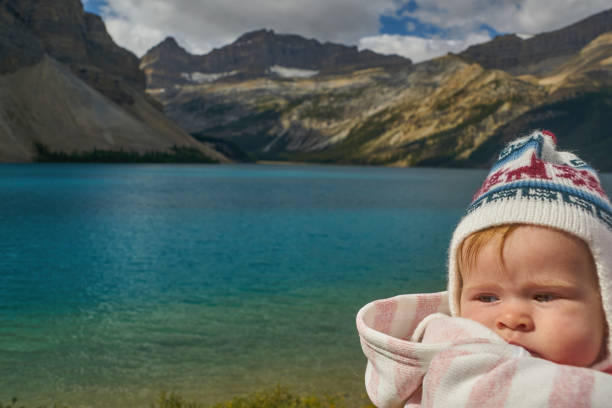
541 53
450 111
257 54
63 30
577 107
66 85
45 103
369 117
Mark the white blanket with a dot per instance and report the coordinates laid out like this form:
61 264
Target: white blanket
420 356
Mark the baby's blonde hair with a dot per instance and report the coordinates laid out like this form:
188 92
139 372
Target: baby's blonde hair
471 246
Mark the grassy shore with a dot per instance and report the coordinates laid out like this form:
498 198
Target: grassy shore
277 397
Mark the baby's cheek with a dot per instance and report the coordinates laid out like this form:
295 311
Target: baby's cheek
571 343
473 312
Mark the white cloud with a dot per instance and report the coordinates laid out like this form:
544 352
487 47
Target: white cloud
419 49
510 16
200 25
135 37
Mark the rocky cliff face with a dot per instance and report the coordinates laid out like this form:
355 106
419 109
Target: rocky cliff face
19 47
45 103
541 53
258 54
64 83
73 37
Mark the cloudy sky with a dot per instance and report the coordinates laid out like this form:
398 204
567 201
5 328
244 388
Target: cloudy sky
418 29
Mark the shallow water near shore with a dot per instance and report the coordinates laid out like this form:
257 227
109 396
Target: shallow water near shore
119 281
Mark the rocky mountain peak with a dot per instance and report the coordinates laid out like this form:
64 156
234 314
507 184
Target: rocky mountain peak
63 30
167 59
257 35
542 53
168 50
260 53
505 40
169 43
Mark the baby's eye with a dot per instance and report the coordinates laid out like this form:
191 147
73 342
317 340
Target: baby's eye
544 297
487 298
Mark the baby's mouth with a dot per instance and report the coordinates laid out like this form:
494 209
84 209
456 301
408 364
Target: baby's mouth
516 343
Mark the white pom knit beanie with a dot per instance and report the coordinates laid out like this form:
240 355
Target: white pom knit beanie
534 183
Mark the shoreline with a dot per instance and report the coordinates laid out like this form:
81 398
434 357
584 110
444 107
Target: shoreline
262 397
283 163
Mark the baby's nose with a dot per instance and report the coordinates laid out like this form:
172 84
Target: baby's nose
514 318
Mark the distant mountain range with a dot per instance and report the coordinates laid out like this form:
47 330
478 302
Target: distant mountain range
68 92
68 89
257 54
282 97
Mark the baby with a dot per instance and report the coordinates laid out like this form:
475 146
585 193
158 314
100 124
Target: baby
525 319
536 287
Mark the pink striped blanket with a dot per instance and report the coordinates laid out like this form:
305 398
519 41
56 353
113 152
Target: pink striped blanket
420 356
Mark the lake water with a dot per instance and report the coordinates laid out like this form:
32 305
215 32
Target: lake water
119 281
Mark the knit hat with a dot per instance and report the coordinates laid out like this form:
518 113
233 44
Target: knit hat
534 183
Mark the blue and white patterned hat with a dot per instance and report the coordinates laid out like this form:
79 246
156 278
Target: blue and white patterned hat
534 183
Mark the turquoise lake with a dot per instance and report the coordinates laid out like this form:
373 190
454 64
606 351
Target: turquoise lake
119 281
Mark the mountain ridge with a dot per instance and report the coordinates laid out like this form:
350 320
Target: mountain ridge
255 54
541 53
443 112
285 97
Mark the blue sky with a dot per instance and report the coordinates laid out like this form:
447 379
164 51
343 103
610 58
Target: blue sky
94 6
418 29
394 24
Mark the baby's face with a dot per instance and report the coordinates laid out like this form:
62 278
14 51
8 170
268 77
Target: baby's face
544 296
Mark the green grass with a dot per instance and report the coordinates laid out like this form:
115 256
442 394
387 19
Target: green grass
14 403
276 397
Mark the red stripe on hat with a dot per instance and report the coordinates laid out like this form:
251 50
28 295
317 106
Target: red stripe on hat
551 134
